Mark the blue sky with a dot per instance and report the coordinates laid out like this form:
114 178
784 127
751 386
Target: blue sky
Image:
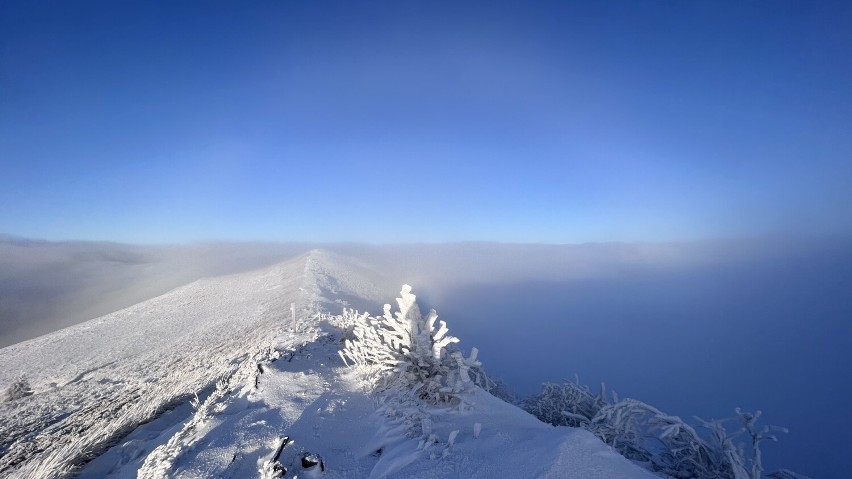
426 121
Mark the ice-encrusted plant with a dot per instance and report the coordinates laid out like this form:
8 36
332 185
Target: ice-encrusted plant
667 444
410 354
566 404
663 443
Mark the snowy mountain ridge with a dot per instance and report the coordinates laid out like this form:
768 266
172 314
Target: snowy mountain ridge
187 385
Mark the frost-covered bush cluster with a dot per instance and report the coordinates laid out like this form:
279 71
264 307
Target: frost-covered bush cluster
567 404
662 443
409 354
666 444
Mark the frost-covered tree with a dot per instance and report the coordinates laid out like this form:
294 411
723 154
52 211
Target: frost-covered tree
410 354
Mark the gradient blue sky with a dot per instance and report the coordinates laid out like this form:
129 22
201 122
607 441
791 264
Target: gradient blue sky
426 121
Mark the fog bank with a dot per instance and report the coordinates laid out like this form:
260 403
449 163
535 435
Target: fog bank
45 286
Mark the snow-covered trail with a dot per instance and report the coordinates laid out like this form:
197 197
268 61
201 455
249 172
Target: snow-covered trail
304 396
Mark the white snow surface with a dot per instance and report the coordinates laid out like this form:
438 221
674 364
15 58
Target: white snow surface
112 395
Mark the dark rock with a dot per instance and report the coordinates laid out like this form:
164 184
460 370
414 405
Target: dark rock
310 460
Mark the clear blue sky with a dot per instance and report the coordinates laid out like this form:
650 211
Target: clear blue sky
426 121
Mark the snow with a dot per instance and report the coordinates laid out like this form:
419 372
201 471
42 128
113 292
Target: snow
96 380
113 394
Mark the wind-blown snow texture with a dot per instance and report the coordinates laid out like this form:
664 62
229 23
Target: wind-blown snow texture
96 382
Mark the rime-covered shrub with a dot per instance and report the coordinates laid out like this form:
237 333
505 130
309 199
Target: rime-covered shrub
345 322
410 354
18 389
498 388
756 434
666 444
662 443
566 404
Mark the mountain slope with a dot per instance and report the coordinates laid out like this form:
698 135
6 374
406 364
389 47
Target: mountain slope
96 382
46 286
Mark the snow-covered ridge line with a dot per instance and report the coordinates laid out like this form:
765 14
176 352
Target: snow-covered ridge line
310 415
166 349
96 381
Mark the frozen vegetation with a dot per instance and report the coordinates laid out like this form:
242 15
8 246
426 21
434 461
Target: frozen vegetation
216 379
664 444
